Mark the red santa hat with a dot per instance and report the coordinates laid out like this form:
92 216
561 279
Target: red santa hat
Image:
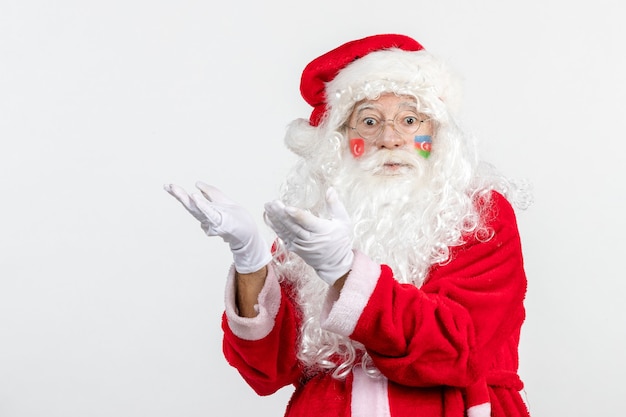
363 69
325 68
366 67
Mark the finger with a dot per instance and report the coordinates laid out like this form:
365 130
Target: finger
181 195
305 221
275 217
277 227
274 211
267 218
210 213
173 190
283 224
297 221
336 209
274 206
213 194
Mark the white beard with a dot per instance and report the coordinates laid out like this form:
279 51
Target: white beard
389 209
400 218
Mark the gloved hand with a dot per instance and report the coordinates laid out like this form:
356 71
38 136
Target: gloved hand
220 216
324 244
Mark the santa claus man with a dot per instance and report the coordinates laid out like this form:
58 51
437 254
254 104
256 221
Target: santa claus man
396 284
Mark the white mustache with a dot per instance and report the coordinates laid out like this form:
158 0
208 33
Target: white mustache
376 161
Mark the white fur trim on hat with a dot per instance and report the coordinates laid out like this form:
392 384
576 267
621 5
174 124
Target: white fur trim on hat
416 73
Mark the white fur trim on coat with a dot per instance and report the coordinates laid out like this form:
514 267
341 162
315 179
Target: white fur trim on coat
342 311
370 397
253 328
480 410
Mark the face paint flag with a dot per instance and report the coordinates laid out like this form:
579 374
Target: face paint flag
357 147
423 145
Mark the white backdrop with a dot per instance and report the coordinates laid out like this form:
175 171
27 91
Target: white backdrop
110 294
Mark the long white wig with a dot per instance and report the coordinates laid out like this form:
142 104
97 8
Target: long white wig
408 223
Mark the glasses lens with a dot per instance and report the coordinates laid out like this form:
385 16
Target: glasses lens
369 127
407 122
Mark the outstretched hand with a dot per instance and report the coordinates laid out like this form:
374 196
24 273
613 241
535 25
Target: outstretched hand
220 216
324 244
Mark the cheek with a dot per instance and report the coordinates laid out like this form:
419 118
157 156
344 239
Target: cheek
423 145
357 147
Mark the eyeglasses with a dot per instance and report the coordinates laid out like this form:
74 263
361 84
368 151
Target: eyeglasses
404 123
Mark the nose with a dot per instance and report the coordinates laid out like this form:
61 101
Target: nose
389 138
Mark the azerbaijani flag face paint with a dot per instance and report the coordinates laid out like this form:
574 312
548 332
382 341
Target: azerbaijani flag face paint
423 145
357 147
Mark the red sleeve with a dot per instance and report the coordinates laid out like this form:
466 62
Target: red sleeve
270 363
448 331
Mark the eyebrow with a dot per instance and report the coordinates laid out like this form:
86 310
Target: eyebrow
363 106
370 105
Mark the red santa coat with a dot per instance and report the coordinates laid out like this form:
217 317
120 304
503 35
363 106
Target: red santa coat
448 348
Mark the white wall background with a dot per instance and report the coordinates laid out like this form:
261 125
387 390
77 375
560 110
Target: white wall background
111 296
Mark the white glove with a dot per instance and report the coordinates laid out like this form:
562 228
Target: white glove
220 216
324 244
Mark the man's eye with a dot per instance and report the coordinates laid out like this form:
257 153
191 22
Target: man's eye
410 120
370 121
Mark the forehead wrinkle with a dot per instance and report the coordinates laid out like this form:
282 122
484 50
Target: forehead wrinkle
400 101
373 105
366 105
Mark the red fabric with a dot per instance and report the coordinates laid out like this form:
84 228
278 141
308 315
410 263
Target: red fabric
270 363
444 347
325 67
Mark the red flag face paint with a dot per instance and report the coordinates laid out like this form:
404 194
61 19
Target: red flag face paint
423 145
357 147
